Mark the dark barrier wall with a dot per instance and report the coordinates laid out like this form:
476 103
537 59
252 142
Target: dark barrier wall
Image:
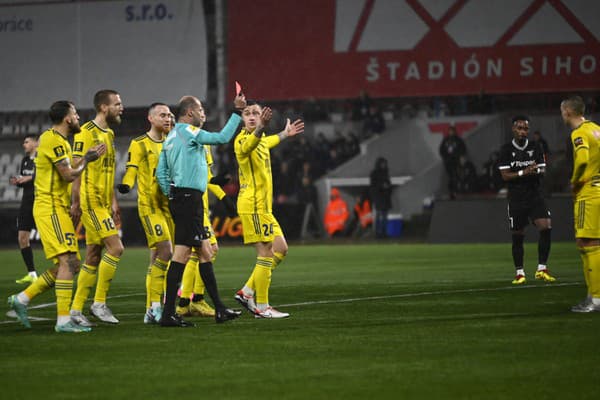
486 220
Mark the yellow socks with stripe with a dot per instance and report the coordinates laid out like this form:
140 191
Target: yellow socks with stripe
277 259
44 282
189 277
106 273
262 279
158 271
149 286
64 291
85 281
593 256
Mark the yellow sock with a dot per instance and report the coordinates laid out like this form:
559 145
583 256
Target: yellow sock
106 273
64 291
585 262
43 283
85 281
189 277
593 255
148 286
277 259
262 278
158 270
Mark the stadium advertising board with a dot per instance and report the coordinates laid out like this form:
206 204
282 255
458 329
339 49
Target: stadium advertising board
333 49
147 50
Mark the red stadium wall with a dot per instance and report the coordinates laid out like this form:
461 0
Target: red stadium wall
283 49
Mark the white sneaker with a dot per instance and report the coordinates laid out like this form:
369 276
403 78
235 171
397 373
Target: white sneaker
103 313
149 317
246 301
270 312
78 318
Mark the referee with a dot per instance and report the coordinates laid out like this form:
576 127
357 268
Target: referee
183 176
25 223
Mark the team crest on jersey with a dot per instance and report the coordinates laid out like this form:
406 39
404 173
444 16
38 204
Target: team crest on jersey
530 152
78 146
578 141
59 151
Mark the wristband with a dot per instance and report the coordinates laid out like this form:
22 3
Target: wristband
520 173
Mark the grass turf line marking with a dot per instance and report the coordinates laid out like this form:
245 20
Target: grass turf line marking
429 293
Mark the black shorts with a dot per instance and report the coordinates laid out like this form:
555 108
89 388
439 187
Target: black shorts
188 215
520 213
25 220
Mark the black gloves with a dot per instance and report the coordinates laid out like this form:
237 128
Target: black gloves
220 179
123 188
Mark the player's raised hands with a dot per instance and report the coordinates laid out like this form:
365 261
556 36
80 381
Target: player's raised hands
294 128
265 116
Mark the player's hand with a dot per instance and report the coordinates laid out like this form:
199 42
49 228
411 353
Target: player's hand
95 152
12 180
229 206
220 179
122 188
239 102
295 128
265 116
75 213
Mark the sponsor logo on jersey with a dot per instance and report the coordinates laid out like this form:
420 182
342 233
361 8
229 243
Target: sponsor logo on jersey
59 151
578 141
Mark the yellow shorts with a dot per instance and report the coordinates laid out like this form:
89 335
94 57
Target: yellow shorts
57 232
208 229
98 225
587 218
158 227
260 228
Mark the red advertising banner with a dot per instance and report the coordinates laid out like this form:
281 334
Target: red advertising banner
283 49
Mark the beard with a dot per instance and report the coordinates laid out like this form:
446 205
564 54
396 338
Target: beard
113 119
74 127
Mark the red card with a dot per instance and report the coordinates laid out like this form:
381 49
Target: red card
238 88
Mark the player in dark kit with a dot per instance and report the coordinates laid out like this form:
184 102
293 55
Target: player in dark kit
522 164
25 221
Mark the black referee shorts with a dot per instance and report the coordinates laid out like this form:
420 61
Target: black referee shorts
520 213
188 215
25 220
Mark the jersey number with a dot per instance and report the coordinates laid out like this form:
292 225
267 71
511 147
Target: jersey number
158 229
70 238
268 229
109 224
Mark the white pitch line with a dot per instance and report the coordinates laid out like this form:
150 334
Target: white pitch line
350 300
418 294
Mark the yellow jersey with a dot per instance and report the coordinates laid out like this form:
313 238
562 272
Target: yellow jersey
141 164
256 182
586 150
98 178
51 190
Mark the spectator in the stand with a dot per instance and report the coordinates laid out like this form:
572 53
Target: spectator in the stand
451 148
285 183
336 214
374 122
466 176
307 193
381 193
491 180
313 110
537 137
361 106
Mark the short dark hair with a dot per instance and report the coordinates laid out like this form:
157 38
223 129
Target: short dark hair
520 118
33 136
59 110
103 97
576 104
184 105
154 105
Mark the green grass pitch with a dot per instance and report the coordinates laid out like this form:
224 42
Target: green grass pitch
370 321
